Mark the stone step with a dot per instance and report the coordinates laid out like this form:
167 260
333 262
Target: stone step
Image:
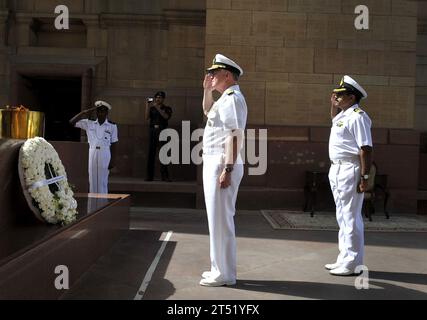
130 184
188 194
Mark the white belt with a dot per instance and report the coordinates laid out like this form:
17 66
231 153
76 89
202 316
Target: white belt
344 161
213 151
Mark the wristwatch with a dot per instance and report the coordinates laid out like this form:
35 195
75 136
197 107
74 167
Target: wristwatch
365 176
228 169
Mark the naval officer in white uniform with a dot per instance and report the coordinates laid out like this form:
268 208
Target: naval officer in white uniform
350 152
102 137
222 166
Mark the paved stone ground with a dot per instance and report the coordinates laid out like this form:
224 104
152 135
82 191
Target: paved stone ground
272 264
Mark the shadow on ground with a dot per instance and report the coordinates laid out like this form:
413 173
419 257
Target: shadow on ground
252 224
314 290
119 273
414 278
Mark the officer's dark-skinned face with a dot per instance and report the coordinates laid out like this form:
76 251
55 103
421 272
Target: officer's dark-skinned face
102 113
345 100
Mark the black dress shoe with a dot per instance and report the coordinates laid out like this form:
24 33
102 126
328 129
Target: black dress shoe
148 179
166 179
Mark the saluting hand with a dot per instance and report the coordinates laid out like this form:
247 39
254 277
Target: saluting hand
207 83
334 101
90 110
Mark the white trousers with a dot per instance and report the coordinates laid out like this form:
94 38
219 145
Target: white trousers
220 207
98 170
344 179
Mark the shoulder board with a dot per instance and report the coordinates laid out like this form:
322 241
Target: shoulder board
112 122
229 92
359 111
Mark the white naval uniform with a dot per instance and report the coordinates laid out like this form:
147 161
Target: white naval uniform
350 131
100 138
227 114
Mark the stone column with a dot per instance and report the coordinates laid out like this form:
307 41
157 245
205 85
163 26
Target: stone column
96 37
421 80
3 27
87 78
23 30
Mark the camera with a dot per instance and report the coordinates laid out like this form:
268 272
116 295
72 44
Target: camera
150 99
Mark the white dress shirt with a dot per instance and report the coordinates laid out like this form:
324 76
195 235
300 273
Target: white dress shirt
227 114
350 131
99 135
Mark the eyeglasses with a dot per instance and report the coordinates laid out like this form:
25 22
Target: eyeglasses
342 94
213 73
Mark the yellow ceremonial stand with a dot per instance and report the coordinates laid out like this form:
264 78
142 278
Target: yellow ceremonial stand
21 124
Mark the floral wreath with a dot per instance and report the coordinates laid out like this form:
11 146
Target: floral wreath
44 182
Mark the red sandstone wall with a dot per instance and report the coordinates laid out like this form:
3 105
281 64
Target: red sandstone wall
294 150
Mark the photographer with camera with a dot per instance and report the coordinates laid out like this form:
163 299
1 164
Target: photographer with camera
158 114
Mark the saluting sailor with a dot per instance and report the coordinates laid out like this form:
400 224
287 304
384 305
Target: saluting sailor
102 137
222 165
350 152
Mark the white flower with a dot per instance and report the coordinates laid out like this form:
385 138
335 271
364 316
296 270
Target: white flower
54 208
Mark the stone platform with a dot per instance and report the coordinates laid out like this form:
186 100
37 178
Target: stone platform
30 250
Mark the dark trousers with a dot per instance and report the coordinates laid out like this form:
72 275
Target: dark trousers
154 144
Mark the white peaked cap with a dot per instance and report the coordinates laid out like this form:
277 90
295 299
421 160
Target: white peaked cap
348 84
222 62
101 103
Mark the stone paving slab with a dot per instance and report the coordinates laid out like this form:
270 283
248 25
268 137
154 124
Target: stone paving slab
272 264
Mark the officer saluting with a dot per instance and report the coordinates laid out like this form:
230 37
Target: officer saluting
350 152
222 166
102 138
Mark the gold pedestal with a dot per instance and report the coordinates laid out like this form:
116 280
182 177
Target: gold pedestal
21 124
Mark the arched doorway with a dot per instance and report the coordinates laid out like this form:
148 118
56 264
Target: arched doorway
58 92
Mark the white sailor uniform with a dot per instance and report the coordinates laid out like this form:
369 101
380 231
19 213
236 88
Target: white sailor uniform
350 131
227 114
100 138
